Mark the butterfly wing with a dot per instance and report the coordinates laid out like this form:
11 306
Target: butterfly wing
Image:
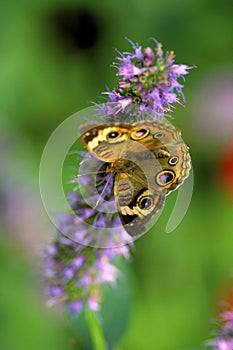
105 141
136 202
164 141
149 159
155 134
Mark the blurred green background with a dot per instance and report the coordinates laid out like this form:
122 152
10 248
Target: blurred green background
55 57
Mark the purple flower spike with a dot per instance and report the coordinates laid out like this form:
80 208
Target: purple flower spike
144 72
75 273
224 335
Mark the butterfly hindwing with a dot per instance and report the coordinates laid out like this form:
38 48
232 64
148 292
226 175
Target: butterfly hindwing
136 202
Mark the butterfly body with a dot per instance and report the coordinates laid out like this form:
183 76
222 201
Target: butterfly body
148 159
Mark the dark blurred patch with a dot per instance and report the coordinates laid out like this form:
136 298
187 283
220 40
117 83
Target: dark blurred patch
76 28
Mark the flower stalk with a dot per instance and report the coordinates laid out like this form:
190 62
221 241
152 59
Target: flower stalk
96 331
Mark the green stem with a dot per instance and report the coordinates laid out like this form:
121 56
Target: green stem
96 331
